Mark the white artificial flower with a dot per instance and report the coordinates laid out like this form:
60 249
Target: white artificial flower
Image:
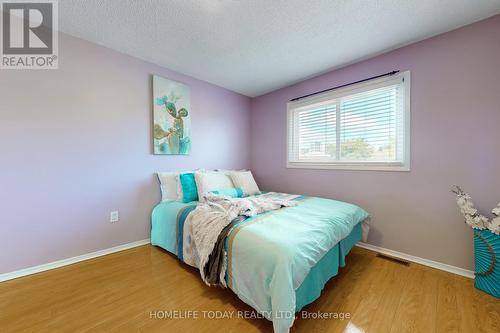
469 221
472 216
479 222
469 210
463 200
494 226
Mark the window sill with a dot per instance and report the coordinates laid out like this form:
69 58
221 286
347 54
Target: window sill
349 166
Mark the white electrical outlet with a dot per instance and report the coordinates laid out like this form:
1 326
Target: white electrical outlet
114 216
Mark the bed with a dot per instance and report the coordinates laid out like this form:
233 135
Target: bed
278 261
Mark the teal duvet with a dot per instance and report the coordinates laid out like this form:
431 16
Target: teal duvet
278 261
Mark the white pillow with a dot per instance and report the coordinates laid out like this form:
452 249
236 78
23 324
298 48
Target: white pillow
245 181
168 185
228 171
212 180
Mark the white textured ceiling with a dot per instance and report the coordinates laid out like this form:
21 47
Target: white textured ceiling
256 46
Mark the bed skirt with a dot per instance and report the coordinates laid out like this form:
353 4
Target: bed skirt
326 268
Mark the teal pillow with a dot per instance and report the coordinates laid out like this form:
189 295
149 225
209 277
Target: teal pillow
234 192
189 189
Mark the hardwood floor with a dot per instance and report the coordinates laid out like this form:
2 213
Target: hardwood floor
123 292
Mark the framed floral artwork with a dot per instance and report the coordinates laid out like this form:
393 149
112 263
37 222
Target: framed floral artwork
171 117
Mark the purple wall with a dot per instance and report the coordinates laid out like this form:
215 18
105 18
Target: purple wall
455 139
76 144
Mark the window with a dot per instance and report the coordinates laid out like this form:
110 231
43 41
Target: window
365 126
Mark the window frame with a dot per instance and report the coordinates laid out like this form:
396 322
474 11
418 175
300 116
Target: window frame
292 106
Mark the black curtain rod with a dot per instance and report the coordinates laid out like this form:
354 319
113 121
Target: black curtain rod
344 85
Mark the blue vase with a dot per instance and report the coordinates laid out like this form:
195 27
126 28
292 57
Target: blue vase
487 257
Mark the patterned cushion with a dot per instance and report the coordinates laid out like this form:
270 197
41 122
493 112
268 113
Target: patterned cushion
245 181
234 192
212 181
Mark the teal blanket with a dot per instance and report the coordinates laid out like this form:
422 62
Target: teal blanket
278 261
164 224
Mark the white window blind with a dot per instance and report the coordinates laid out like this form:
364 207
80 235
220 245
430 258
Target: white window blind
363 126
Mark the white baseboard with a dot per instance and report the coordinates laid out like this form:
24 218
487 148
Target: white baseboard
418 260
69 261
